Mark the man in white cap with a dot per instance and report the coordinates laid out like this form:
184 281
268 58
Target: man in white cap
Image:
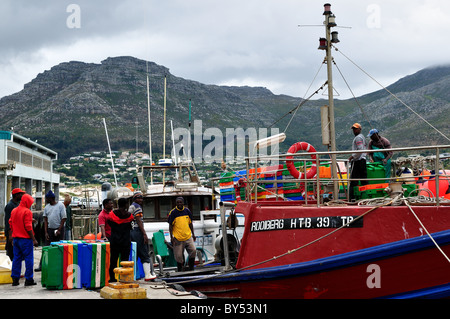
358 160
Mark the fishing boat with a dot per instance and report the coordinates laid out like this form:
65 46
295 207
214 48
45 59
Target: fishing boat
303 238
160 186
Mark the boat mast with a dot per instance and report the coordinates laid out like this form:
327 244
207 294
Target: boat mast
149 127
110 153
189 140
331 37
164 136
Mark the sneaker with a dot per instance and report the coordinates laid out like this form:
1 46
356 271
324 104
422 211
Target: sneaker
15 282
30 282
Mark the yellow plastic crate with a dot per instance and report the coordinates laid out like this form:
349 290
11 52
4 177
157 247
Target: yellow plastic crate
5 276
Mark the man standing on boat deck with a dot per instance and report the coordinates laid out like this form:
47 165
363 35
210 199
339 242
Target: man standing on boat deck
382 143
357 160
182 234
139 235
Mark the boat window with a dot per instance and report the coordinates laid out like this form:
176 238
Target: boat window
195 203
149 208
165 206
207 203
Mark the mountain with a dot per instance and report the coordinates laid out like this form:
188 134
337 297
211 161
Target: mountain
63 108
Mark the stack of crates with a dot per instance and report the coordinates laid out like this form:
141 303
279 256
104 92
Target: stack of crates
375 172
80 264
226 187
292 190
409 189
371 191
268 191
75 264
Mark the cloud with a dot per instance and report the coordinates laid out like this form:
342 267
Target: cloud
252 42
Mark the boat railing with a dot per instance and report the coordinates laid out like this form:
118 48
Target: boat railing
254 176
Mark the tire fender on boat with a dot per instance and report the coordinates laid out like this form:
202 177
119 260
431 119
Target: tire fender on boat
301 146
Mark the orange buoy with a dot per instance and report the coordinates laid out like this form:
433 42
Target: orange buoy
89 237
290 164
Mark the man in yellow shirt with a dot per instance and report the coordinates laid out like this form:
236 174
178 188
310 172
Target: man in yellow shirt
182 234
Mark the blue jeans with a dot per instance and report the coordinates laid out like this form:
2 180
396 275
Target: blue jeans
23 250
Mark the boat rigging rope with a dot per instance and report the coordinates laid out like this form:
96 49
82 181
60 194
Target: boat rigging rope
395 96
405 200
298 106
354 97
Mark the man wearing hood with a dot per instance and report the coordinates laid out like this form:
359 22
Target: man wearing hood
21 230
120 221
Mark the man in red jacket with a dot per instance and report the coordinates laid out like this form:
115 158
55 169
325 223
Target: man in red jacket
21 230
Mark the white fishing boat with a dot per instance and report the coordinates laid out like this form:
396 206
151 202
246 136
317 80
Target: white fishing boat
161 185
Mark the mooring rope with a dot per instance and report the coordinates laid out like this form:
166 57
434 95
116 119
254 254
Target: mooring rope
405 200
392 94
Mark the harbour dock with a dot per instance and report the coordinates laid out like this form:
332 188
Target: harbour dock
7 291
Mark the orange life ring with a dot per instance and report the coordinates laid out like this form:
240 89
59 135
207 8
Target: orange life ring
301 146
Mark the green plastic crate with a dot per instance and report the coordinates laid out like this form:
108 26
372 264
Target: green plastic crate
409 188
375 171
52 267
373 193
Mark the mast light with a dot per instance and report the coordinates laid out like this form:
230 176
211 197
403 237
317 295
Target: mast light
322 44
327 10
334 37
332 20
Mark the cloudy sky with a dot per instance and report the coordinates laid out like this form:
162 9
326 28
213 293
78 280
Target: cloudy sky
233 42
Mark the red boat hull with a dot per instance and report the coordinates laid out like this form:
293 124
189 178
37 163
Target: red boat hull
381 225
389 272
385 253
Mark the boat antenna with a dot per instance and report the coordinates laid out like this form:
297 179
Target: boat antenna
325 44
110 153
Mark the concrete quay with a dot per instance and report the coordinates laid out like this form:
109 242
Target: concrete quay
7 291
